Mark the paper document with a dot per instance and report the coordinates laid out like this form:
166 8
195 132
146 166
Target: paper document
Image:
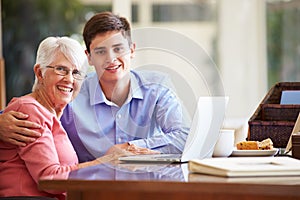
246 166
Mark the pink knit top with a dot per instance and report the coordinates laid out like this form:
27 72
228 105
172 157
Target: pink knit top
52 153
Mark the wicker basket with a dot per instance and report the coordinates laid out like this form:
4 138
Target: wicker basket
272 119
296 146
277 112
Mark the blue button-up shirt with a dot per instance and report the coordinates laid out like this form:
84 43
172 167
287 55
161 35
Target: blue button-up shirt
151 117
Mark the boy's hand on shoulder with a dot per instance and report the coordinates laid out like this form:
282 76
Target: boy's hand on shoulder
16 130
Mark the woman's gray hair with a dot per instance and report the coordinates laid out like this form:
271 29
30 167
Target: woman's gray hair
71 49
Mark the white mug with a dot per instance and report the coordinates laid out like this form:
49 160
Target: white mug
225 143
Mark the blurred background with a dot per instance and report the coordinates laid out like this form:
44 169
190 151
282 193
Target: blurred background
254 43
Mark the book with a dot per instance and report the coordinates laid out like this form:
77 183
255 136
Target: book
246 166
274 180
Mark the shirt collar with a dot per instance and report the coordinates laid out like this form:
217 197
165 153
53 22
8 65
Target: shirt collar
135 86
98 96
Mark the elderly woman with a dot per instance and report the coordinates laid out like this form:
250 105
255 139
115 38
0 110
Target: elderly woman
59 72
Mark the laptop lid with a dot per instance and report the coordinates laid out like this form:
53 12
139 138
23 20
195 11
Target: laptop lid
207 122
204 133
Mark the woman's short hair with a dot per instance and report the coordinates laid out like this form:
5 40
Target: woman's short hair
69 47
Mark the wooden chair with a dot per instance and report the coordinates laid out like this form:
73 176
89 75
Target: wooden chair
2 85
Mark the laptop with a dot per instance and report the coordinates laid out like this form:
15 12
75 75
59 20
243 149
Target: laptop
204 133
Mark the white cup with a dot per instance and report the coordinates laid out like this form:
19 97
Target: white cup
225 143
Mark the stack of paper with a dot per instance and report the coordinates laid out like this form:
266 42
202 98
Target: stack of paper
246 166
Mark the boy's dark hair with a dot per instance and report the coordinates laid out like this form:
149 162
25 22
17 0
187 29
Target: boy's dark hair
104 22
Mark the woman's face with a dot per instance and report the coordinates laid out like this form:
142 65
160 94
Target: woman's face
60 90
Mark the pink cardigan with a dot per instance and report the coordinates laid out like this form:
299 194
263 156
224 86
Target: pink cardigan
52 153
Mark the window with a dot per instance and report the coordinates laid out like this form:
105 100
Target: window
283 40
26 22
198 11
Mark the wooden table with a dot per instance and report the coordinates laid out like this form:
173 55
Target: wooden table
160 181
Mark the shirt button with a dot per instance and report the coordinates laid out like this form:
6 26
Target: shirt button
119 116
120 140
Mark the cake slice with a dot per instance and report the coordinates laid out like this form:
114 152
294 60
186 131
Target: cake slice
266 144
248 145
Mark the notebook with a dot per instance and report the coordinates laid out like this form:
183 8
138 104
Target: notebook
206 124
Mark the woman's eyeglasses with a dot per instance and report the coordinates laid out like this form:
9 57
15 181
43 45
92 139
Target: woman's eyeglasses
63 71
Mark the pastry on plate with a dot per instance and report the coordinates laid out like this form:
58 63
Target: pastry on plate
266 144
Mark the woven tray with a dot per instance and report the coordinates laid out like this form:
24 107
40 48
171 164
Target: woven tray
277 112
271 108
272 120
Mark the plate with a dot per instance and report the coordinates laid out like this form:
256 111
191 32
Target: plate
271 152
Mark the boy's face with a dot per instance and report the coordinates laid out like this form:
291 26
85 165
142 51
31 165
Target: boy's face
111 55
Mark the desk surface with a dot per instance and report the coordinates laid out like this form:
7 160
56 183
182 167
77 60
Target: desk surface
160 181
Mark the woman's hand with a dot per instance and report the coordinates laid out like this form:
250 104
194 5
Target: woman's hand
116 151
129 149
